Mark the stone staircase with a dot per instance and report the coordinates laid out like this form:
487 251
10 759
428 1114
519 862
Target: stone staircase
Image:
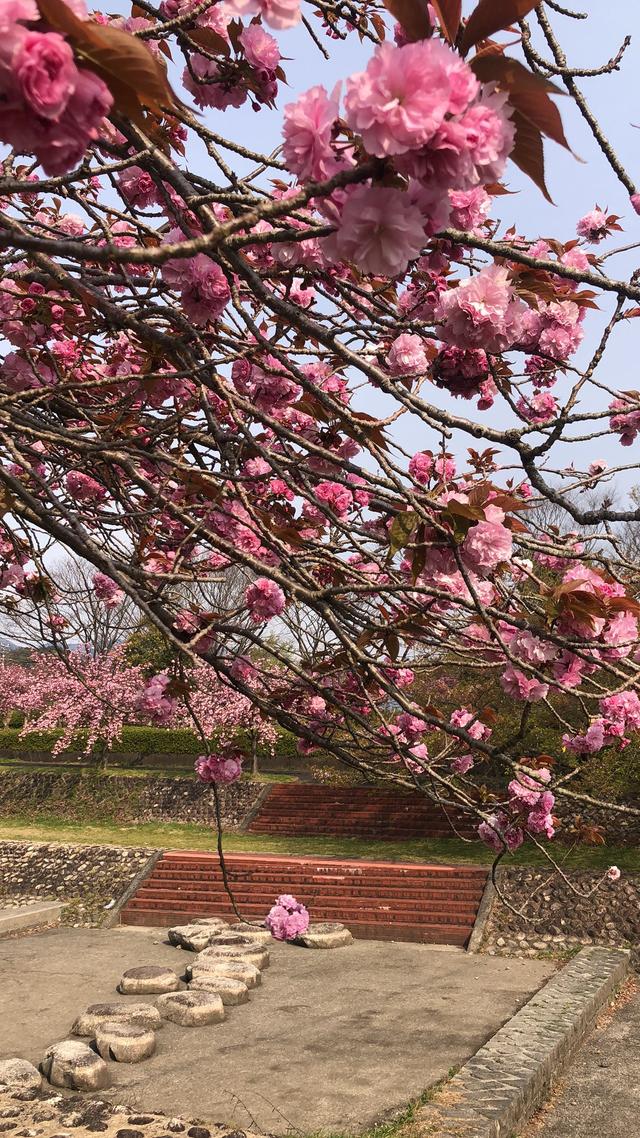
300 809
375 899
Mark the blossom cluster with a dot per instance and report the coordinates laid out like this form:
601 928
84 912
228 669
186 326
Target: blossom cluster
49 106
287 919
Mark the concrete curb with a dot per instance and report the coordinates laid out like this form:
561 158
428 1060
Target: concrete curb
254 810
482 916
30 916
508 1078
113 915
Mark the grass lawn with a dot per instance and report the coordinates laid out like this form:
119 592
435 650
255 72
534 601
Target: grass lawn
8 766
161 835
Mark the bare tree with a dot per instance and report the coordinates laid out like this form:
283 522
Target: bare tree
88 620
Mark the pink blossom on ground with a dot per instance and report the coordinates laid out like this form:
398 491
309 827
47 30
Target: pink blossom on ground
380 231
407 355
264 599
223 768
288 919
613 873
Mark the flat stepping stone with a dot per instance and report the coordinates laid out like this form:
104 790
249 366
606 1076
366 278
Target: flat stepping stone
125 1042
192 937
236 969
144 1015
191 1009
231 991
75 1065
256 953
216 924
20 1075
148 980
325 935
257 933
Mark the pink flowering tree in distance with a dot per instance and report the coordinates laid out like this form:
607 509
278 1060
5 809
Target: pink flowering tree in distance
331 367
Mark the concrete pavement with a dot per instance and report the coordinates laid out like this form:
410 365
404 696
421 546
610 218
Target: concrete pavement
330 1041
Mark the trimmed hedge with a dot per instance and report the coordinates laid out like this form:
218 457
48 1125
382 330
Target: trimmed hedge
139 742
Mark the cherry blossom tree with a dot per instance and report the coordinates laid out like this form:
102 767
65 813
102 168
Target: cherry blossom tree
217 357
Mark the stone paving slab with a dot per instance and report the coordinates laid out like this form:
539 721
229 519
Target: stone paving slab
330 1041
31 916
507 1079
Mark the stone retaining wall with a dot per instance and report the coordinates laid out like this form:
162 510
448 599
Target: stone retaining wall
73 796
559 915
86 878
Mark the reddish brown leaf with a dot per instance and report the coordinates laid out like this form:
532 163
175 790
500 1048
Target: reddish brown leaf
490 16
449 13
135 77
528 152
56 13
210 40
413 17
528 93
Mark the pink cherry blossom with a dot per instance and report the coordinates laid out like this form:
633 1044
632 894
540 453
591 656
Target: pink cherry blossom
46 71
462 764
279 14
84 488
500 833
482 312
421 467
13 10
613 873
515 683
261 50
401 99
380 231
593 226
488 543
264 599
407 355
222 768
107 591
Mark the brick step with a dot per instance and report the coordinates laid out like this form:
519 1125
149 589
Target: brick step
268 874
322 910
424 934
151 895
397 900
364 833
363 892
341 883
197 862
